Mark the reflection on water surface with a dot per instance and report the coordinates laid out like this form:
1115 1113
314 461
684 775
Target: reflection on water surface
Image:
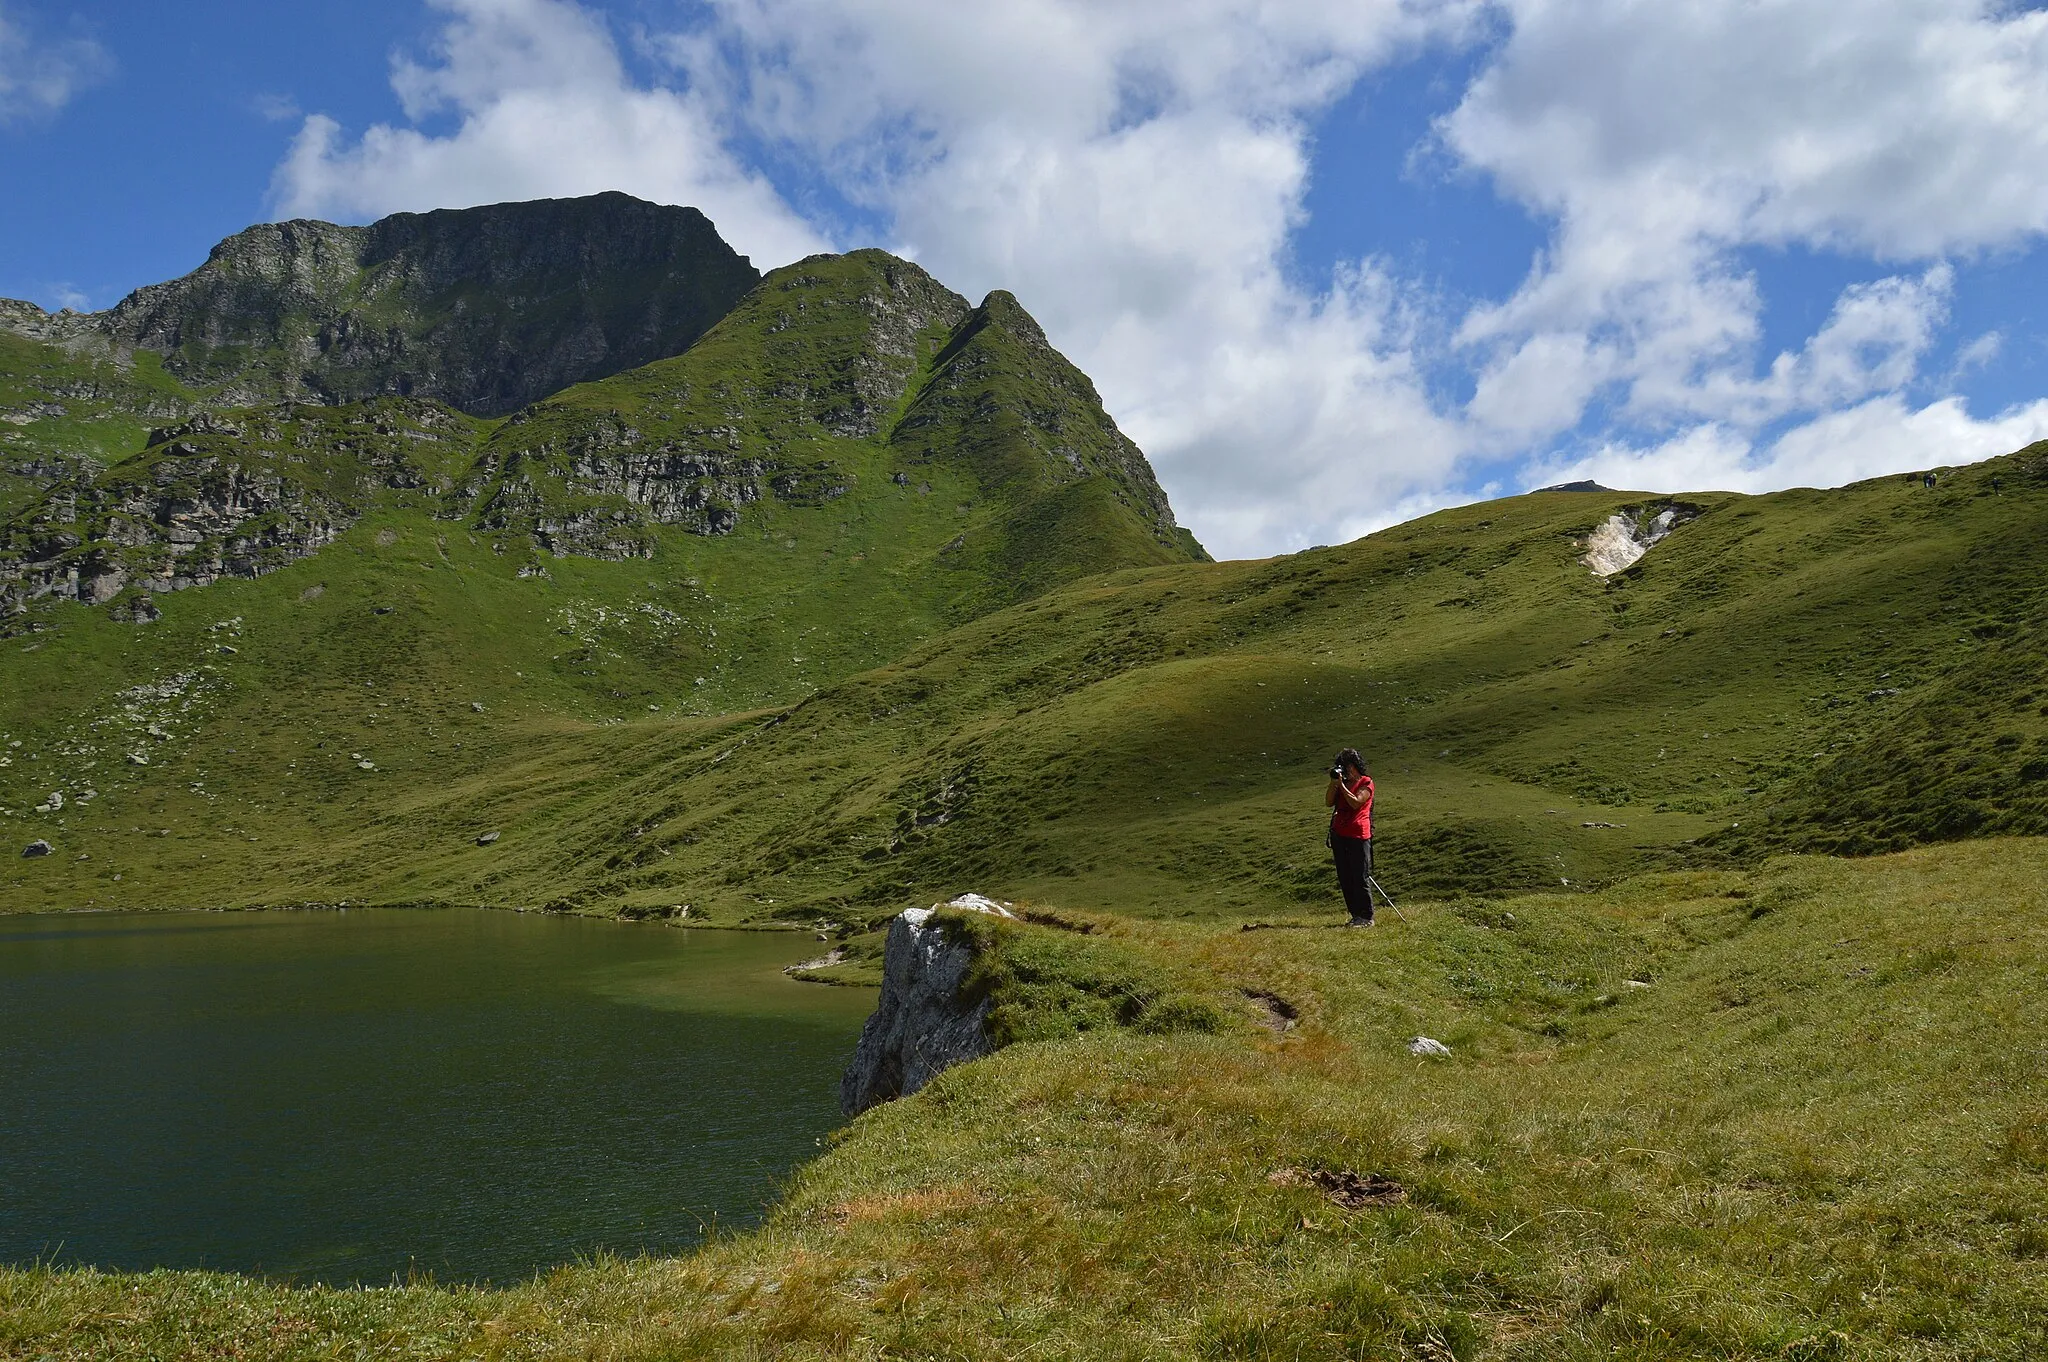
349 1096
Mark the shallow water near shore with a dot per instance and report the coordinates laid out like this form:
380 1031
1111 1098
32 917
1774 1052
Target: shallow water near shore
359 1096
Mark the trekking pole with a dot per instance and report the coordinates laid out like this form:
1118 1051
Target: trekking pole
1375 884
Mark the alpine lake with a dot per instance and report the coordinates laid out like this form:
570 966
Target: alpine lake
370 1095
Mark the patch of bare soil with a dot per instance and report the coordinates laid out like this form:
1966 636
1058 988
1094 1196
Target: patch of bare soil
1352 1191
1271 1010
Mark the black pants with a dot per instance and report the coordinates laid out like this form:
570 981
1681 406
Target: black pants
1354 867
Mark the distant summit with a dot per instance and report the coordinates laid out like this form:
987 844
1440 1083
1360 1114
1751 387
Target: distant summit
1583 486
486 309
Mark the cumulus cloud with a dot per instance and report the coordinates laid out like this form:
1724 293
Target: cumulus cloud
39 76
1663 140
1906 130
1133 172
542 107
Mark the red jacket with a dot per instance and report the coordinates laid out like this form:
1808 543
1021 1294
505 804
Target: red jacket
1355 823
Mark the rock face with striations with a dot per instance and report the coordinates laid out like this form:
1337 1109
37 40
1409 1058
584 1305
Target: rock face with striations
486 309
922 1024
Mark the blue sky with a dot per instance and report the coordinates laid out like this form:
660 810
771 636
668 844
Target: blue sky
1331 266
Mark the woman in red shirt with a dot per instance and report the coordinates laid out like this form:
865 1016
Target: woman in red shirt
1350 799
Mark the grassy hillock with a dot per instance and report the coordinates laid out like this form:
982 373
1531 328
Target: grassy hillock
1785 1112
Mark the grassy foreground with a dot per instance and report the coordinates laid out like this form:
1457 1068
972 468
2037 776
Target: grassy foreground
1792 1112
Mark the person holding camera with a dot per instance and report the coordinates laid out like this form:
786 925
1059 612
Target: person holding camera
1350 799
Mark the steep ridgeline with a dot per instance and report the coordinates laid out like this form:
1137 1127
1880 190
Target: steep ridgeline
842 373
485 309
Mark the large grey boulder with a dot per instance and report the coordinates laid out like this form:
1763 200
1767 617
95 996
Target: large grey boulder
921 1025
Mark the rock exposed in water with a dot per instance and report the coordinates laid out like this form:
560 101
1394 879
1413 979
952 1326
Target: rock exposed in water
37 848
921 1025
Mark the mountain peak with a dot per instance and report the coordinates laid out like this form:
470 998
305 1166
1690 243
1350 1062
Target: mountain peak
1002 309
487 309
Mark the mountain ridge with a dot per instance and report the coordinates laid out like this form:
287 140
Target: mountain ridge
486 308
852 454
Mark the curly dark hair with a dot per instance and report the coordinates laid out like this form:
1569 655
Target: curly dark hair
1349 757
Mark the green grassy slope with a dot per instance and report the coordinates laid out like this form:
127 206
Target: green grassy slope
1966 753
1789 1112
1148 742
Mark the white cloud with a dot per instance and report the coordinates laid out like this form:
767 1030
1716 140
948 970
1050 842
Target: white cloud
1542 387
1664 139
40 76
1872 342
1907 129
276 108
543 108
1882 435
1132 171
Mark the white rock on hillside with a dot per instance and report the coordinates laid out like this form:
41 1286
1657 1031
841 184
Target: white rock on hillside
1621 540
920 1026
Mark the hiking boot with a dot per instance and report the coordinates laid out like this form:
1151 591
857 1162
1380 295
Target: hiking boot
1359 922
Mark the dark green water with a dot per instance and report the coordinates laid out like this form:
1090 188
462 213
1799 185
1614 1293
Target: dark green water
345 1097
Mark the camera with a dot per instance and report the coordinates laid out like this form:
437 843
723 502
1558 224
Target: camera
1336 771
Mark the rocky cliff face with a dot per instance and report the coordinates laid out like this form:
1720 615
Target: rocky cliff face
486 309
865 348
923 1023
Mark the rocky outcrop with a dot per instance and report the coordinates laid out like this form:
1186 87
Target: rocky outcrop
487 309
1620 541
211 499
923 1024
823 349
